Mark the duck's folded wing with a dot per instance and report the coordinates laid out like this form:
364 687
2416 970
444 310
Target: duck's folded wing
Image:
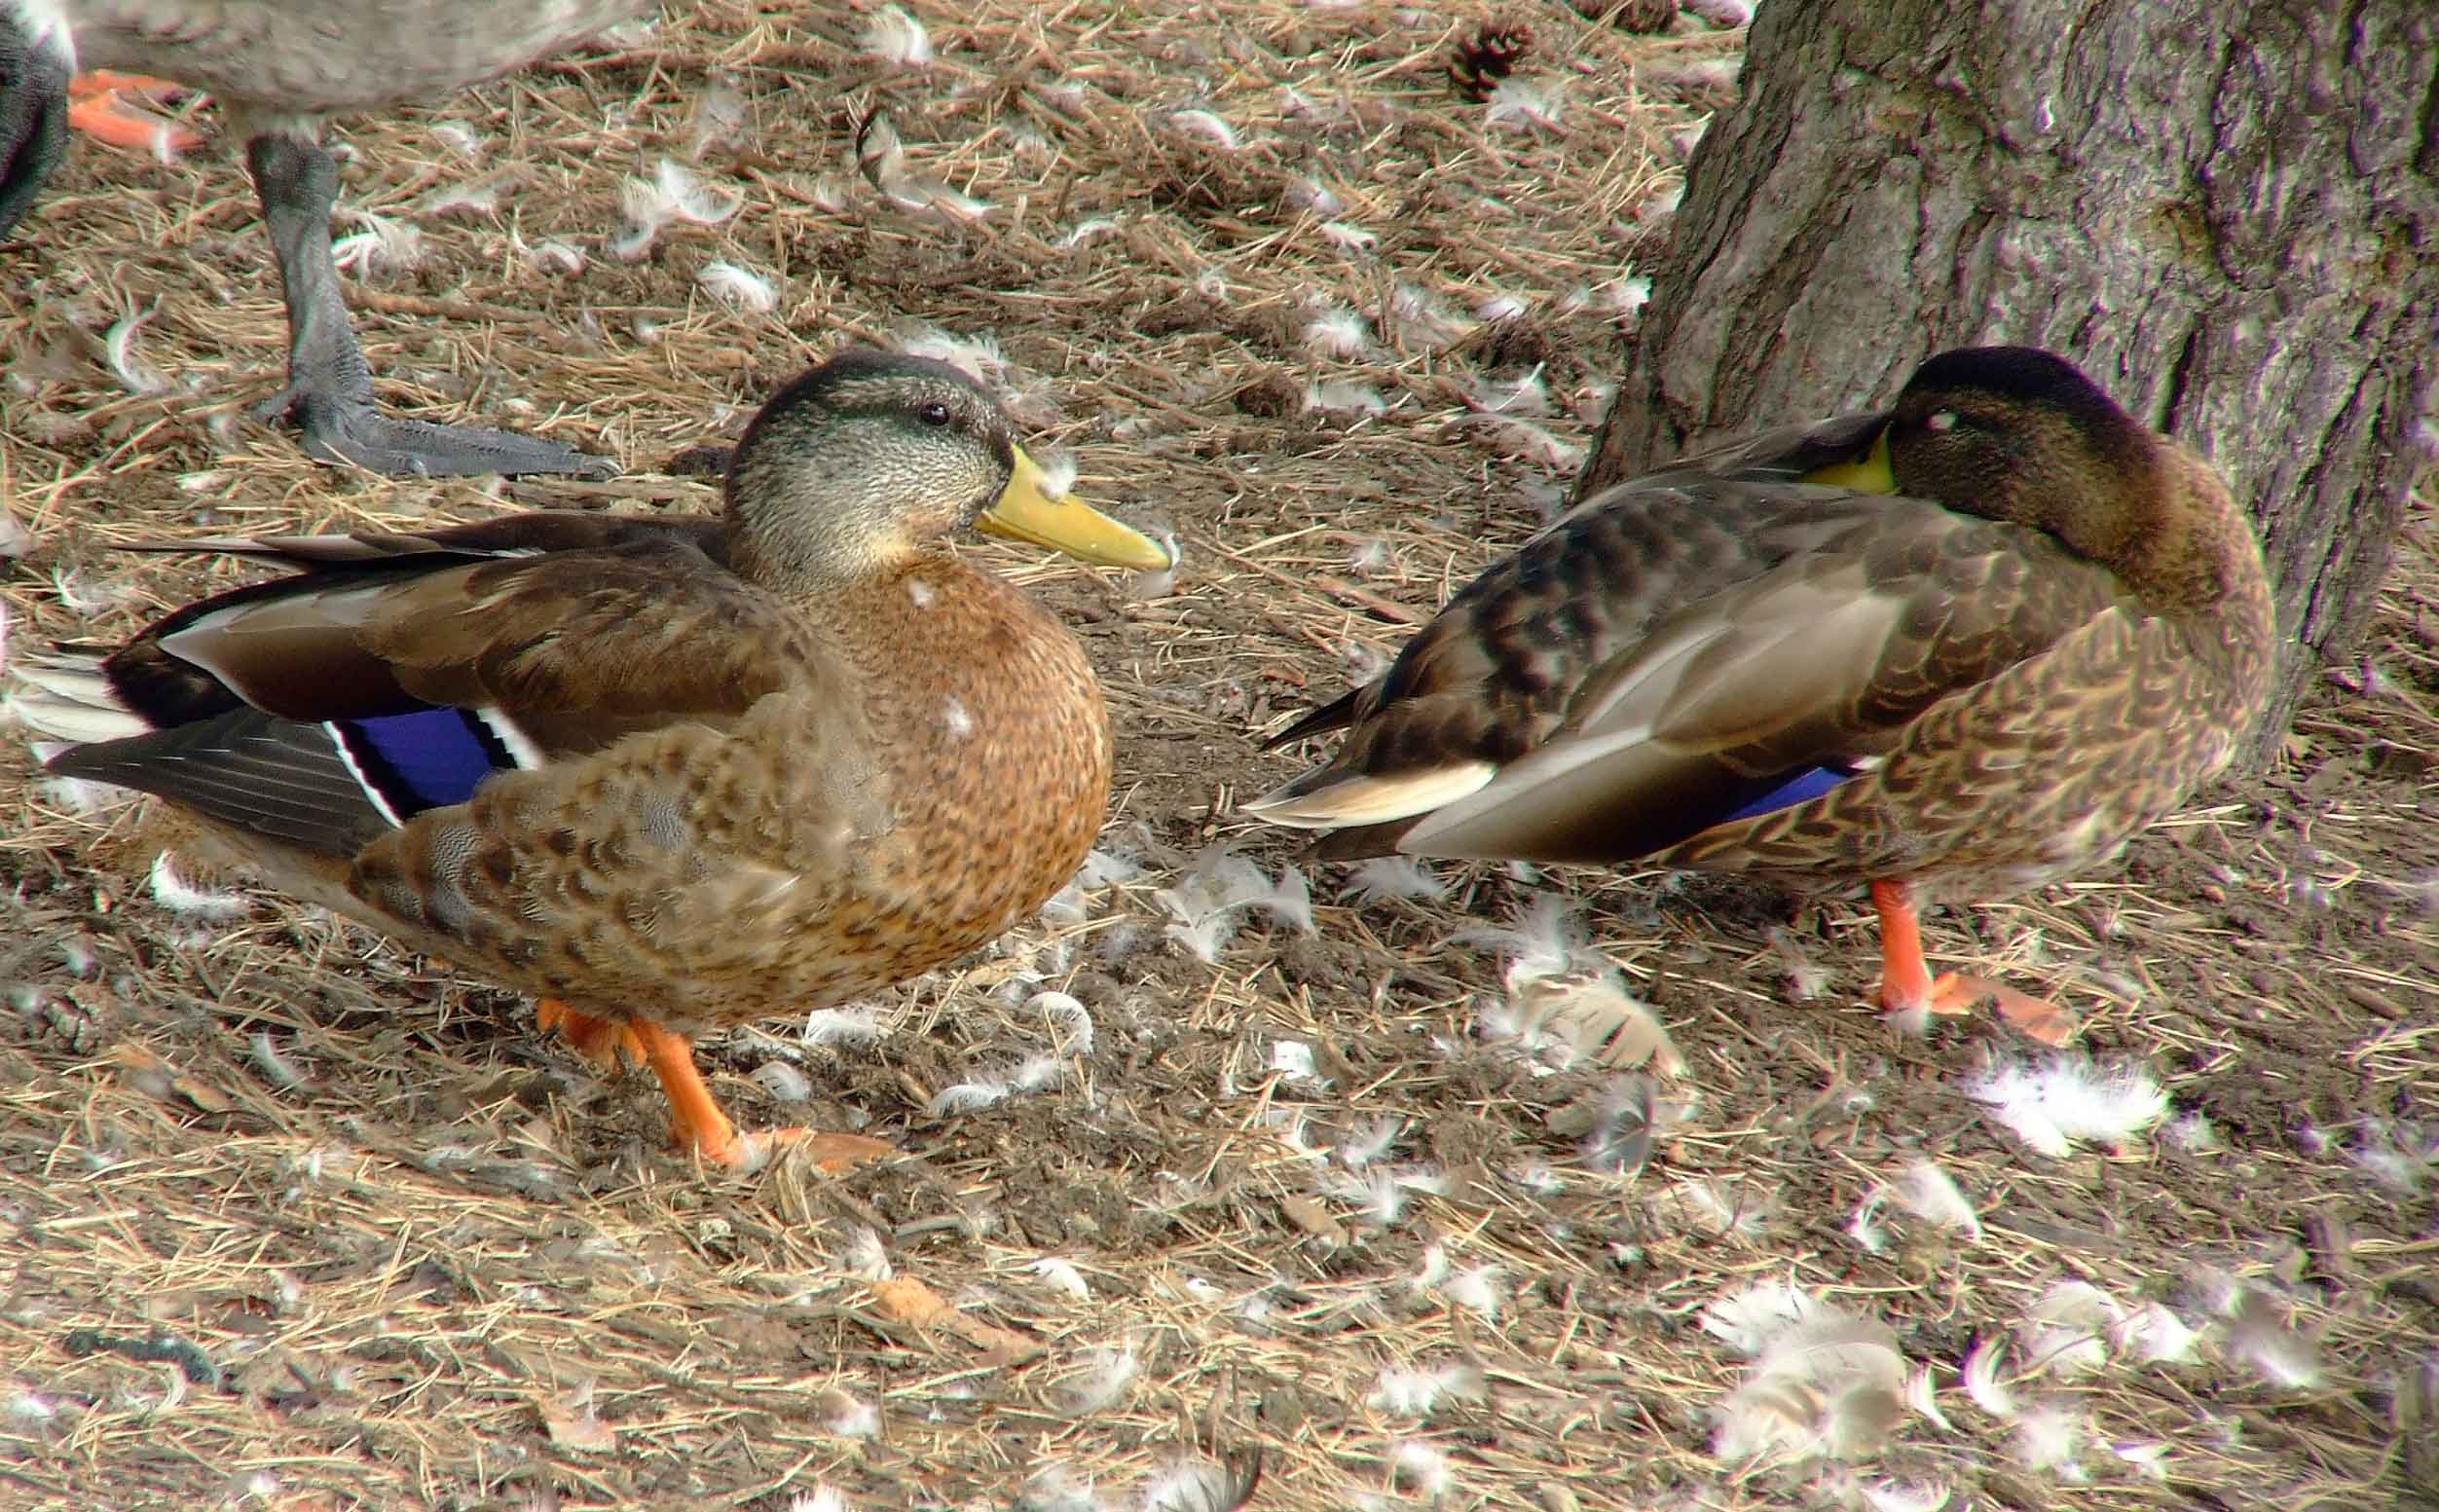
326 708
587 615
1768 693
1495 672
527 533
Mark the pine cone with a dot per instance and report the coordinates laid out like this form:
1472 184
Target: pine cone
1478 64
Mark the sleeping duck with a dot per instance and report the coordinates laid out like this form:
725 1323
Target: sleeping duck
1756 661
664 773
280 68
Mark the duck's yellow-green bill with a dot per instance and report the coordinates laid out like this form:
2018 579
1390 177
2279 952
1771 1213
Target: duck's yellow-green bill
1026 511
1870 473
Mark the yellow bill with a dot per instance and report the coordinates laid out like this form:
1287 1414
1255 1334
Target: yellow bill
1026 511
1870 473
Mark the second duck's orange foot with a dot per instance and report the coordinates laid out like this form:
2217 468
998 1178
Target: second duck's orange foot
604 1042
697 1124
111 79
96 108
832 1155
2035 1018
1908 987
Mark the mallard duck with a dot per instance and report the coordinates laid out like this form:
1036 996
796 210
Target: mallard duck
1754 661
280 69
667 774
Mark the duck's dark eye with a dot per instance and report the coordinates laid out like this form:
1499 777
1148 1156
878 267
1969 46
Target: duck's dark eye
934 413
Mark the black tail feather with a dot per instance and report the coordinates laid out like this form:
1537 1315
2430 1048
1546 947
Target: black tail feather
276 778
1320 721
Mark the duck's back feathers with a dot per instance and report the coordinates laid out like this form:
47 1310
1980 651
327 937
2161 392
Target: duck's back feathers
530 533
1687 529
533 611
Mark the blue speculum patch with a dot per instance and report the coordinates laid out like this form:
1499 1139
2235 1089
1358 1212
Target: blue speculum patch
430 758
1787 791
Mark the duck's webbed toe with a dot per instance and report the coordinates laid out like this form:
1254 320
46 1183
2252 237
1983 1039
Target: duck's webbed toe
343 426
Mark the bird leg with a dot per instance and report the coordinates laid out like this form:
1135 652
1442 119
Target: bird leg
330 387
694 1116
607 1043
699 1124
1907 985
96 109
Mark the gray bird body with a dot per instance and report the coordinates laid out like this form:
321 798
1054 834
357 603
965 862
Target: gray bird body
292 62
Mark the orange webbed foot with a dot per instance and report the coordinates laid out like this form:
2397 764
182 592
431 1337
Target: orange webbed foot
2035 1018
96 107
1908 990
697 1124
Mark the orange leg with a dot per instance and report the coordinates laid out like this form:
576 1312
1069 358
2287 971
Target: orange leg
96 109
694 1116
1907 985
607 1043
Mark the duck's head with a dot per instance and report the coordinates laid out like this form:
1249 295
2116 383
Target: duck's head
2019 433
861 465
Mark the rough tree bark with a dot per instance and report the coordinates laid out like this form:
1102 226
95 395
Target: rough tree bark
2226 213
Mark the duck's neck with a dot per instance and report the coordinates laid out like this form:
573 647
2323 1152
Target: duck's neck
810 573
2190 551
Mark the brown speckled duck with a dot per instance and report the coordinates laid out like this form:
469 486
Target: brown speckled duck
279 69
1756 661
665 774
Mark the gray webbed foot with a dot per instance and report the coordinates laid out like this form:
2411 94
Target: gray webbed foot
344 427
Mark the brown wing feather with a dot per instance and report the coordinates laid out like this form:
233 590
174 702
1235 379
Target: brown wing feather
307 671
1775 456
264 777
1826 660
650 628
528 534
1584 537
541 618
1335 714
1494 675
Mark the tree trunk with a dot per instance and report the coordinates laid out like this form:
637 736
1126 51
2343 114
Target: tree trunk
2226 213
